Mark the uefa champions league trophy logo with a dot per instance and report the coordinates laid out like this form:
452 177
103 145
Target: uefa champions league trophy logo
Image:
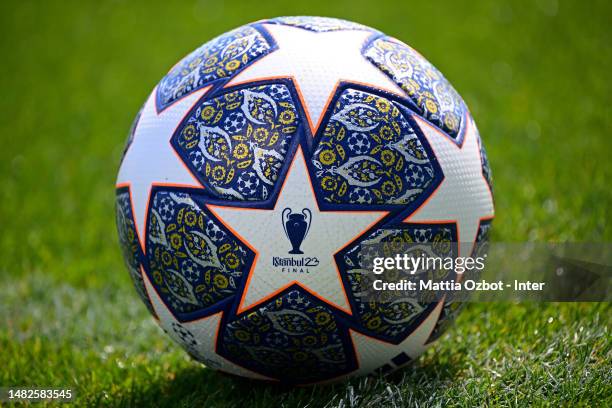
296 227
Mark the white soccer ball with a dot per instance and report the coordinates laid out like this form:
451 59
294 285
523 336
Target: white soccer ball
260 164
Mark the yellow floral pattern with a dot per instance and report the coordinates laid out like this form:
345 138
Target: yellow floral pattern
291 337
451 308
194 262
369 154
433 96
130 246
392 314
236 143
219 58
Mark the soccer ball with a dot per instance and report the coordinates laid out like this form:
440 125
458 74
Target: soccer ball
260 164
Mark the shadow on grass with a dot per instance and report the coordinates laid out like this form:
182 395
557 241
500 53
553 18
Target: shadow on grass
199 386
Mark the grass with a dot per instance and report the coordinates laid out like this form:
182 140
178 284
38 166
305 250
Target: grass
73 75
103 343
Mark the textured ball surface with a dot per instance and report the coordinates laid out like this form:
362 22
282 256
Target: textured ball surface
258 167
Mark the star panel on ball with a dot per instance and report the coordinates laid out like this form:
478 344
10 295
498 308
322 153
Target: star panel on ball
293 336
368 154
432 95
216 60
236 143
194 262
392 315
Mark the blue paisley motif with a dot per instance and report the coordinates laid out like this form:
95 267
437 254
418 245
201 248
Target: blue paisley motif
451 309
131 133
193 261
392 314
486 169
369 154
434 97
293 337
219 58
236 143
128 239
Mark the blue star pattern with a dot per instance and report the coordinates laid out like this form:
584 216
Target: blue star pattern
237 143
486 169
128 239
391 314
319 24
217 59
451 309
193 261
369 154
291 337
433 96
131 133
